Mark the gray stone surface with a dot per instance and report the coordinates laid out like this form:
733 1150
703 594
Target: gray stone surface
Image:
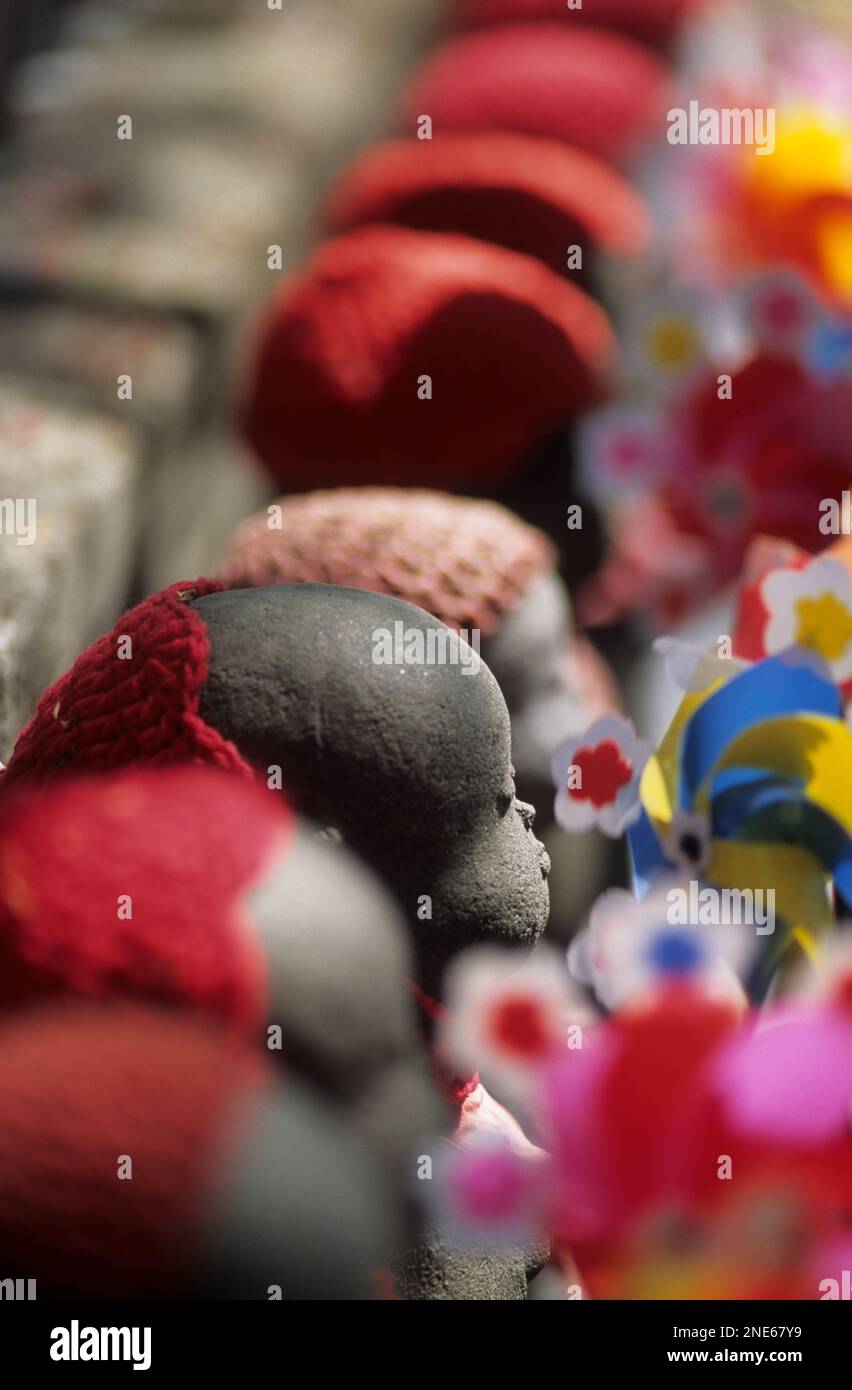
81 469
411 764
433 1270
297 1205
338 959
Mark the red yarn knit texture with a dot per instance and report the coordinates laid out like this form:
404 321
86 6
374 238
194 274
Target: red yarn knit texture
108 711
82 1085
527 194
469 563
654 21
514 352
588 87
177 850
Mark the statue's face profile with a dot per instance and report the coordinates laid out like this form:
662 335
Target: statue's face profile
380 725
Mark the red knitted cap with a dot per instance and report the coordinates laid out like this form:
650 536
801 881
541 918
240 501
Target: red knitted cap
513 352
82 1085
527 194
651 20
467 562
132 696
590 88
133 883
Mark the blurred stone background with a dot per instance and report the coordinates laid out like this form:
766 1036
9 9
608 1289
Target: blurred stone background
130 269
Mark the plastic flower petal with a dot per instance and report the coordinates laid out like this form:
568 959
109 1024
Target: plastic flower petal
692 668
597 777
780 311
611 1109
507 1015
830 349
795 206
767 1076
812 609
486 1195
761 460
630 948
664 341
623 450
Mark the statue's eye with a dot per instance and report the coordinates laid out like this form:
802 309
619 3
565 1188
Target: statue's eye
504 803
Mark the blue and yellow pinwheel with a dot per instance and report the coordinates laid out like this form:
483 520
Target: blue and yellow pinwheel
752 787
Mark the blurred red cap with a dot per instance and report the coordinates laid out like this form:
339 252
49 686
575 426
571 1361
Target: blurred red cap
132 884
593 89
84 1087
512 350
527 194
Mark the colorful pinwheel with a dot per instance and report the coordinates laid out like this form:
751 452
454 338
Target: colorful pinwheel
750 786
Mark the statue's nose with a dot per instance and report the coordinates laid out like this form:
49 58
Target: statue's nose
527 815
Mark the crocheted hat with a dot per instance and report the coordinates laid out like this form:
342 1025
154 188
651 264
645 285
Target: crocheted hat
527 194
591 88
134 883
654 21
467 562
83 1086
508 351
132 696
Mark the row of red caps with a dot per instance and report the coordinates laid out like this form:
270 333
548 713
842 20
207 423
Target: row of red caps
447 255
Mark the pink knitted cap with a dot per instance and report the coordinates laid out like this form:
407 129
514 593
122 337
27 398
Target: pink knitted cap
467 562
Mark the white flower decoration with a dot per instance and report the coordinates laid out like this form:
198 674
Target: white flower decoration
631 948
664 340
622 451
781 311
597 777
507 1015
812 609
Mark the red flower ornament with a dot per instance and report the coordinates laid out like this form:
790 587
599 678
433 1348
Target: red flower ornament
597 777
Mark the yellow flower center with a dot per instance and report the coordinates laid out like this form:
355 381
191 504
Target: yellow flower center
672 342
824 625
